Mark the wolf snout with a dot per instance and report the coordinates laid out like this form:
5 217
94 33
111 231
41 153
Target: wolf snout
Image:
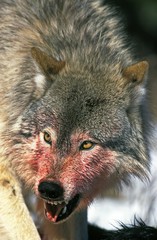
50 190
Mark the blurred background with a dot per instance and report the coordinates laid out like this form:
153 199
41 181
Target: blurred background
140 198
140 18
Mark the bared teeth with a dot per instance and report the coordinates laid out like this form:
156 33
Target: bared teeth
64 210
56 211
57 202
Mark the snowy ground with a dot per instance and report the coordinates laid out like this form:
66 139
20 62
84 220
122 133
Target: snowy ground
138 200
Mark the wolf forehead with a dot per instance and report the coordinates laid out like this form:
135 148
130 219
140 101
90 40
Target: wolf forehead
74 104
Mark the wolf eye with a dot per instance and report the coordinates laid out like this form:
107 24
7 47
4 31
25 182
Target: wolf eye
47 137
87 145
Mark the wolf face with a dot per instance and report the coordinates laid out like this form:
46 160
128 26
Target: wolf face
79 137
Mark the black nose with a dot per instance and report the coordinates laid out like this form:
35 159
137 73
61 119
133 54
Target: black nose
50 190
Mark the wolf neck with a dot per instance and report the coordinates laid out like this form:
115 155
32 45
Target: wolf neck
73 229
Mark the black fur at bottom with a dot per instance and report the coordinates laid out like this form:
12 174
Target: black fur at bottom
139 231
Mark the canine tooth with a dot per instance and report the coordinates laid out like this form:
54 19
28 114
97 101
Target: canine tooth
64 210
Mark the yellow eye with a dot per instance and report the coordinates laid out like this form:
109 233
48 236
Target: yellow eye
87 145
47 137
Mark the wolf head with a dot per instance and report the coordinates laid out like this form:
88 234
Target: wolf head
84 133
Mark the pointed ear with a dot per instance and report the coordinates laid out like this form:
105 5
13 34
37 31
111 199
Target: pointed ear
47 64
136 72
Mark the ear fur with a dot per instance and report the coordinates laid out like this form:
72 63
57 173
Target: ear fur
48 65
136 72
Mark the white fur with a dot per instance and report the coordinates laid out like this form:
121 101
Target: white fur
40 81
15 219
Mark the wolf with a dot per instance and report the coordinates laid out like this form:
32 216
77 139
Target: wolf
72 116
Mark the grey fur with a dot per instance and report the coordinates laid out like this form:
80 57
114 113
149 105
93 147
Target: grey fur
90 94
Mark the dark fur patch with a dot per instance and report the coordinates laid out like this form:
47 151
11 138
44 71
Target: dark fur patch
137 231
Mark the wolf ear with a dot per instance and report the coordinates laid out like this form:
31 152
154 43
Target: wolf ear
48 65
136 73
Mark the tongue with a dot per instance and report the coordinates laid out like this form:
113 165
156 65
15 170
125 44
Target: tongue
52 211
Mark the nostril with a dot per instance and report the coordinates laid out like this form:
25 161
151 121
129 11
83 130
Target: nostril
50 190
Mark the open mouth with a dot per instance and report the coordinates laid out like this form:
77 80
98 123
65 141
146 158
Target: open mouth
56 211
